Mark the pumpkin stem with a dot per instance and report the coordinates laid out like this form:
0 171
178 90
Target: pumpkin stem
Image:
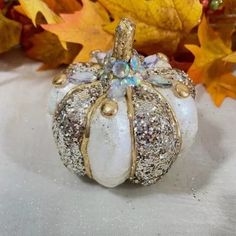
124 38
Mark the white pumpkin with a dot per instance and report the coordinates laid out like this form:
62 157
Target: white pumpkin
122 116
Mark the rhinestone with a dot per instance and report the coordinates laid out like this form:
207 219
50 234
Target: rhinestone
98 57
82 77
117 89
108 64
150 61
120 69
134 63
160 81
131 81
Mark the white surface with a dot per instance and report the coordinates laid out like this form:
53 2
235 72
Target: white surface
56 95
186 114
109 146
41 197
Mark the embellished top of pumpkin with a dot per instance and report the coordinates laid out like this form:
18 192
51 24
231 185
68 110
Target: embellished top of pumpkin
122 116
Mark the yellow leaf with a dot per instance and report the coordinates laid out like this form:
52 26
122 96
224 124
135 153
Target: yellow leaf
213 64
47 48
57 6
230 58
161 24
84 27
10 33
19 9
32 7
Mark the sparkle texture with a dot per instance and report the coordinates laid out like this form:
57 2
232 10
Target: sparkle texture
70 121
173 74
158 141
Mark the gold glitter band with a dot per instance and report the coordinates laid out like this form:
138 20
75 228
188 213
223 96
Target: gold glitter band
131 120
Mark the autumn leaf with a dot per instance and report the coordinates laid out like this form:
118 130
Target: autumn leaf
10 33
31 8
47 48
230 6
84 27
160 24
57 6
213 64
63 6
1 4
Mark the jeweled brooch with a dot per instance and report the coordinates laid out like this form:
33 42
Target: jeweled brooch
122 116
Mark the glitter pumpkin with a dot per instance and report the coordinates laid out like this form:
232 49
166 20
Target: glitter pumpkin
122 116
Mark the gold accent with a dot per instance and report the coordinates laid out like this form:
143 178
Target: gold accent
109 108
59 80
124 37
85 140
131 120
163 57
181 90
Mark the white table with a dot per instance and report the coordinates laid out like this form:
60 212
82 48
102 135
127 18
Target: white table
39 196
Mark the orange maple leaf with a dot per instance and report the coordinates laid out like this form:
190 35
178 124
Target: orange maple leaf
213 64
84 27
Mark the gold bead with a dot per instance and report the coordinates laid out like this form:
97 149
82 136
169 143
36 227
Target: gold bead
109 108
59 80
163 56
182 90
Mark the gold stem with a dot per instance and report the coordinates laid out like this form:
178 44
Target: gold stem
124 38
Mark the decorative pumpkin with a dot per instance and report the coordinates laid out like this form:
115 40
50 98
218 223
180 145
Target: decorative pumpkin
122 116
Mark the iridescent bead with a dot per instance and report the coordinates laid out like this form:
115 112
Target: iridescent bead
131 81
108 64
82 77
150 61
120 69
160 81
117 89
98 57
134 63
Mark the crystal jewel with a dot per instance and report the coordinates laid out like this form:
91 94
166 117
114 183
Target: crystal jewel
98 57
117 89
131 80
160 81
150 61
120 69
134 63
82 77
